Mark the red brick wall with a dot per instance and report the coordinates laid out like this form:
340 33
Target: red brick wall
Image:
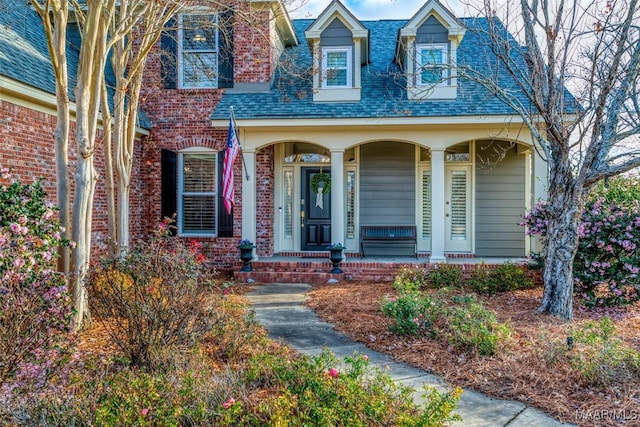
253 54
26 137
180 120
265 183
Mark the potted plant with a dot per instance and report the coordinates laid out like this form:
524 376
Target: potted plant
335 256
246 247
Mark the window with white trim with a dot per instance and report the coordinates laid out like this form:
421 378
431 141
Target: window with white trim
198 50
431 64
197 196
337 67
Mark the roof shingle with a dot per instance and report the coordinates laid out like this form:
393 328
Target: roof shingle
383 85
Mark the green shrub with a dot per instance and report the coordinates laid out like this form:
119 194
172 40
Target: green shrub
409 279
319 391
461 320
153 299
445 275
602 358
506 277
413 312
470 326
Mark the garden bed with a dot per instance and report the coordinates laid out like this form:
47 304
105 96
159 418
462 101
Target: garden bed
533 368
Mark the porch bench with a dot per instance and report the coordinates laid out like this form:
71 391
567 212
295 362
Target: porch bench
389 235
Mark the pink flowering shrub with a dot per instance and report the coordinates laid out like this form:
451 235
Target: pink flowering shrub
35 307
607 264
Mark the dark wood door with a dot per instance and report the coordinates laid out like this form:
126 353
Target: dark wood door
315 213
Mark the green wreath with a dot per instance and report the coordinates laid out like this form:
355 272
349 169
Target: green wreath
317 179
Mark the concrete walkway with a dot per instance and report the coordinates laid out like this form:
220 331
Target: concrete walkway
280 308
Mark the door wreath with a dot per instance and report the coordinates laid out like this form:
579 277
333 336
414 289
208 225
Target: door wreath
321 178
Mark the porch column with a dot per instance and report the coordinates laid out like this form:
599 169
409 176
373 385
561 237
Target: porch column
337 196
249 197
541 176
438 209
540 185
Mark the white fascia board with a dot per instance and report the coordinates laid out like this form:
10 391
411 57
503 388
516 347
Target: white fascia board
336 9
409 121
441 13
27 96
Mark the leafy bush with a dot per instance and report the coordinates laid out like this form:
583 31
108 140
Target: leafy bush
413 312
607 264
596 354
153 299
460 320
35 307
318 391
601 357
409 279
445 275
503 278
473 327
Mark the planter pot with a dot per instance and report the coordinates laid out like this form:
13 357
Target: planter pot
335 256
246 255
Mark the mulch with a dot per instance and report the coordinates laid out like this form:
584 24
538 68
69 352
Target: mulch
533 368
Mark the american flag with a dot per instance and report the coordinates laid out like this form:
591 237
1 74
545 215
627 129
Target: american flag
230 155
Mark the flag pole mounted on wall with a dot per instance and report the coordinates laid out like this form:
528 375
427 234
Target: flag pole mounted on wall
230 153
235 127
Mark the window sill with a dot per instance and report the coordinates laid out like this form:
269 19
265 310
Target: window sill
336 94
432 92
185 235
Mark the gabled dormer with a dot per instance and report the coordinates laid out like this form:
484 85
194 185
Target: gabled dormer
340 46
426 52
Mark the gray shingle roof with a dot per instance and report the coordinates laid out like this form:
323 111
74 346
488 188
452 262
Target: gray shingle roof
24 55
383 87
23 49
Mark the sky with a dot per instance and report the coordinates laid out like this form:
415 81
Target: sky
374 9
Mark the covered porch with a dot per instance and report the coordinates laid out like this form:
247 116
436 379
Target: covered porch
464 199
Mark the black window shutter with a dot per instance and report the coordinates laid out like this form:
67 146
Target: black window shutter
225 220
225 50
169 55
169 184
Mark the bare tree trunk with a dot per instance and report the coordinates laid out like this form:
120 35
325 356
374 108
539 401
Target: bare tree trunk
54 17
109 173
565 209
88 92
61 136
123 217
86 178
124 158
560 252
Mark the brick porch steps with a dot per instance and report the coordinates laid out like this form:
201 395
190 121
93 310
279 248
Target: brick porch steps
317 270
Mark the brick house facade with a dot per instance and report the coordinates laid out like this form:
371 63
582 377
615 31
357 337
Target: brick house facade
374 105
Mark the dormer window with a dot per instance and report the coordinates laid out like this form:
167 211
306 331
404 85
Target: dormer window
340 47
432 60
426 52
337 67
198 51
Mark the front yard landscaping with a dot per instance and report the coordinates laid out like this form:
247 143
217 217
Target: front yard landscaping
585 371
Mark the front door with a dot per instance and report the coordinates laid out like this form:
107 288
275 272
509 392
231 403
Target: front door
458 209
315 211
